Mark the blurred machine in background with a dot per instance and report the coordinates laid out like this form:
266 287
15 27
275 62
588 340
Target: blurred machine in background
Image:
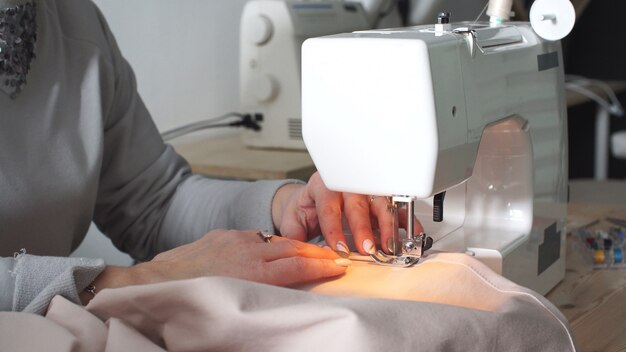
272 32
597 57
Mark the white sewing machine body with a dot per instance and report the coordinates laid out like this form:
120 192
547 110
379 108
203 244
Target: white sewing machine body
272 32
479 114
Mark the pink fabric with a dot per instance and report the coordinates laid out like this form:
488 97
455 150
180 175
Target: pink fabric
449 302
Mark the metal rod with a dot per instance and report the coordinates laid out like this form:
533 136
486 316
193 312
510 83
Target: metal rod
410 205
601 166
548 17
393 244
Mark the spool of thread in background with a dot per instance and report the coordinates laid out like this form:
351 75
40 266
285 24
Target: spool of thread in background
500 9
598 256
618 255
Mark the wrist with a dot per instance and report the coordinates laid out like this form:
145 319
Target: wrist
280 201
115 277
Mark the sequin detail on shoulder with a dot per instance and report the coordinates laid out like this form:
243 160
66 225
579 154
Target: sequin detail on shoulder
18 35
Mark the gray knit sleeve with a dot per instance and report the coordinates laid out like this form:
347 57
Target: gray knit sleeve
30 282
7 284
202 204
148 200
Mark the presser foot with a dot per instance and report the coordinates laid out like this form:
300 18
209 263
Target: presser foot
403 261
413 249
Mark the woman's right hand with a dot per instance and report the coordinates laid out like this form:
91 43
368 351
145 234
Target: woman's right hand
238 254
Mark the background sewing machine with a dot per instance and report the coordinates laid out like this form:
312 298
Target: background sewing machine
272 32
270 38
475 111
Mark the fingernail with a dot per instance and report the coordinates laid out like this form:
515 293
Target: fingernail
343 262
341 247
369 247
391 244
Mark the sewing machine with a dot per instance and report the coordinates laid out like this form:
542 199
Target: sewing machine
272 32
463 124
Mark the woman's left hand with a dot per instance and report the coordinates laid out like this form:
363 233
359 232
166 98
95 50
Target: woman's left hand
302 211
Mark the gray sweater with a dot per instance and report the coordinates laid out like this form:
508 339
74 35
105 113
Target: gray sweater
78 145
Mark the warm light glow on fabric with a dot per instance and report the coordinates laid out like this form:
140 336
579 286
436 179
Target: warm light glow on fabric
443 279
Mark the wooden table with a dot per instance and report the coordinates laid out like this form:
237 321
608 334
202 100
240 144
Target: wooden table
227 157
594 301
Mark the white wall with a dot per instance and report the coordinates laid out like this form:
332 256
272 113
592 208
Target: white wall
185 54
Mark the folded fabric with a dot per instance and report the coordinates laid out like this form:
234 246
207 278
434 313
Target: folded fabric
449 302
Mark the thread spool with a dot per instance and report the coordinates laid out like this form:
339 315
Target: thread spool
598 256
500 9
618 255
608 243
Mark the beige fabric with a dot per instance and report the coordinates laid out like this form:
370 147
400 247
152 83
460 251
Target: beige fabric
449 302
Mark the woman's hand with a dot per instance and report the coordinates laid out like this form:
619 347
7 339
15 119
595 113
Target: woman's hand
244 255
238 254
302 211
